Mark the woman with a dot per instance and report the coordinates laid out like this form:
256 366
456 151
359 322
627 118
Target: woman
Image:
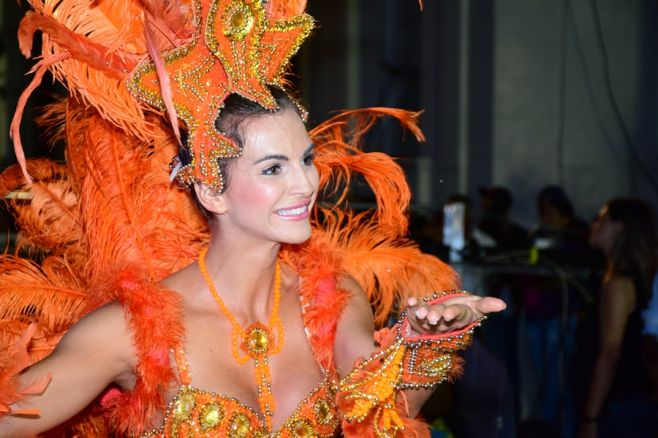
618 397
264 333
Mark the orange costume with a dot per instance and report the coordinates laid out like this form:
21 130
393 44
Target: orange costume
109 225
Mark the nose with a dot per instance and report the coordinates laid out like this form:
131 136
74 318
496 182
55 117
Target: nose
304 181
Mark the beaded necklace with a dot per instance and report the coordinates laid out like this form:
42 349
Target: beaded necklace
257 341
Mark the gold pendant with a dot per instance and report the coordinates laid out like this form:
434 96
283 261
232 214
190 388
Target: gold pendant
258 341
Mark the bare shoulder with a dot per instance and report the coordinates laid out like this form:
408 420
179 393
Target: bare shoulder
618 288
354 334
187 283
358 305
104 331
618 295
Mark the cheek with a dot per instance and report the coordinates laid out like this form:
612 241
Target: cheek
602 235
253 195
595 235
314 178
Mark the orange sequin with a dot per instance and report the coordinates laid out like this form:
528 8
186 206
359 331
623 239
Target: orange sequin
203 414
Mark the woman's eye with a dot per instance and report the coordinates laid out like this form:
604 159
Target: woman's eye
272 170
308 160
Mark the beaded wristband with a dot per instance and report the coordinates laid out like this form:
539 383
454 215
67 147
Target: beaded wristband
432 359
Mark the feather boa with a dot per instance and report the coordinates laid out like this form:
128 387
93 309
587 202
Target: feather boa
155 321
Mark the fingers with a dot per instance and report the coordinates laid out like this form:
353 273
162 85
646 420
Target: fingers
433 314
452 314
441 315
480 305
426 314
422 311
490 305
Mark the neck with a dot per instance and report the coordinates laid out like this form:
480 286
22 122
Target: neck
243 276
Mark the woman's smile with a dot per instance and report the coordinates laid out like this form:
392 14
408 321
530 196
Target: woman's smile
294 213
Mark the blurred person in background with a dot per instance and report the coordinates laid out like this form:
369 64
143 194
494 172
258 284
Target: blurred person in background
618 400
495 230
559 228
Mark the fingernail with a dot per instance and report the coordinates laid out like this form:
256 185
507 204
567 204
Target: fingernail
433 321
412 301
421 313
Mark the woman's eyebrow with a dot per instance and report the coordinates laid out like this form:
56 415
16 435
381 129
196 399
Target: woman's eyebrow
272 157
308 150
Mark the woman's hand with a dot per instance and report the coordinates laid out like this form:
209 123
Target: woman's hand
452 314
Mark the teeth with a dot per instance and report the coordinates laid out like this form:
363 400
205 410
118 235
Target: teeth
293 211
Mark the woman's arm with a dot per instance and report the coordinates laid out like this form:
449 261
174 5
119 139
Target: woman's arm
354 336
617 303
95 352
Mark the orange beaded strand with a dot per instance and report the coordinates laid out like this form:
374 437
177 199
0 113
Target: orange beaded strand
257 340
238 332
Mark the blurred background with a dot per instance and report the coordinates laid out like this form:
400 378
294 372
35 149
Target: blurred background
536 112
516 93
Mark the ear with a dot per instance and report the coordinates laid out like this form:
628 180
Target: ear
211 200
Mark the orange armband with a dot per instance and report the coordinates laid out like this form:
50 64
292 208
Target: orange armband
368 395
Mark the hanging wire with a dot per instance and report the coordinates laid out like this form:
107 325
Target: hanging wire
607 85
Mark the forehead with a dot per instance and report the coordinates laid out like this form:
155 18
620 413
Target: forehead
279 132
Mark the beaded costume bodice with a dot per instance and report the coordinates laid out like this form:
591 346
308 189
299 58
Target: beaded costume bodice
195 413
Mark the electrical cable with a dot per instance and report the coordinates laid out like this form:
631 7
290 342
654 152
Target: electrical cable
562 93
600 39
565 279
580 52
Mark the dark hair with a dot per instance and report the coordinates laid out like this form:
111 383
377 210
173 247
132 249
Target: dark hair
235 112
556 196
634 251
500 199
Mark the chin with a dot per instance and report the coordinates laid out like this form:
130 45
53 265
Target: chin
297 238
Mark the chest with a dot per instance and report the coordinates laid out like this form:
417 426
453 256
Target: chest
218 376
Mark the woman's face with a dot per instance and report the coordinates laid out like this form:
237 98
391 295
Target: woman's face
604 231
274 184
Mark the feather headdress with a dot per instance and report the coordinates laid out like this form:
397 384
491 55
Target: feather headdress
183 58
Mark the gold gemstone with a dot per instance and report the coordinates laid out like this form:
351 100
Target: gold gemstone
258 340
239 426
302 428
322 412
238 21
211 415
184 405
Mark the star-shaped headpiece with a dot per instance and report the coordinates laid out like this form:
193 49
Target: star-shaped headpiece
239 49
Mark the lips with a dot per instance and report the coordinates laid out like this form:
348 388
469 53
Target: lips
294 213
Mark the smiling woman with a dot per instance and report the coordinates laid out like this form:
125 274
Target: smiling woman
272 185
236 112
144 318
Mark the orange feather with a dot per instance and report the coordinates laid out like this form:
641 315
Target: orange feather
282 9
